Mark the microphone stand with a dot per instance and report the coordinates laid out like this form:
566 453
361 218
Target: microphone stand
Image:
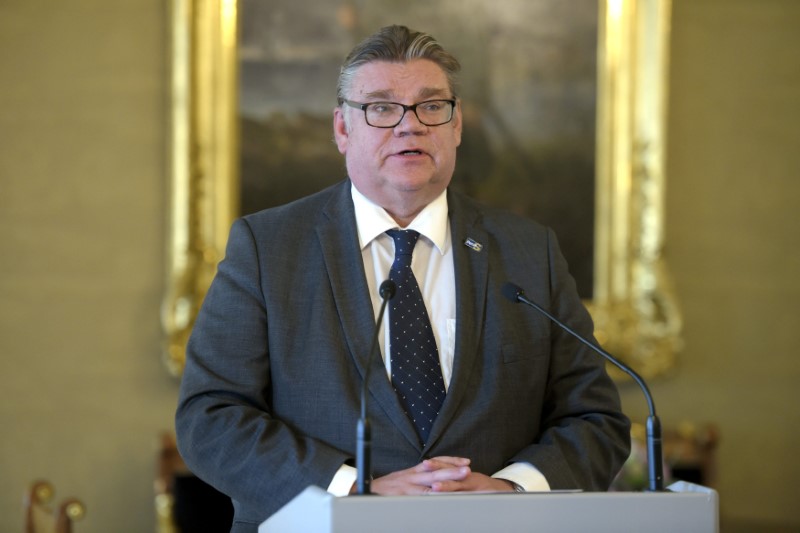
364 431
653 428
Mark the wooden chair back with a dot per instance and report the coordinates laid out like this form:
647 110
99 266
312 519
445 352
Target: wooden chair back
40 517
183 501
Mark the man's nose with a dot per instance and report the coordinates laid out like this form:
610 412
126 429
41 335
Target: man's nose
410 121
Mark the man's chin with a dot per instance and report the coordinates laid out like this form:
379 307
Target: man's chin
419 184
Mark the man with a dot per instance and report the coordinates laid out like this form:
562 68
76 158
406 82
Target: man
269 399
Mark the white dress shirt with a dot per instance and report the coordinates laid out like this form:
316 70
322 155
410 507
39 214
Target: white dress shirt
432 264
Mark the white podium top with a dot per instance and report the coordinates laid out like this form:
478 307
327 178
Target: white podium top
684 507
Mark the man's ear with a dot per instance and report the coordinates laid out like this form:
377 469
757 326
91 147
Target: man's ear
340 133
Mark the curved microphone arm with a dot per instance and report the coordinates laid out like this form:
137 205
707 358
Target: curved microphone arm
654 452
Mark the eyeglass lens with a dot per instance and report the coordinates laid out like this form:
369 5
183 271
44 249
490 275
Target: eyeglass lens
389 114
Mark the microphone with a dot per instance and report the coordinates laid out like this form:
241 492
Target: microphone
654 454
363 432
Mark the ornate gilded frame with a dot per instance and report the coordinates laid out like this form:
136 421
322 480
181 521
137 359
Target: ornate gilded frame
633 305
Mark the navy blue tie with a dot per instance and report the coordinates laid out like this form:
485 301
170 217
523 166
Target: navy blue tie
416 373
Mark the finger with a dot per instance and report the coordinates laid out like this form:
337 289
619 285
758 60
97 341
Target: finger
454 461
427 479
405 482
474 482
448 486
435 463
445 474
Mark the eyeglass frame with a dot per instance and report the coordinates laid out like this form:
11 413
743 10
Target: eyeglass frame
413 107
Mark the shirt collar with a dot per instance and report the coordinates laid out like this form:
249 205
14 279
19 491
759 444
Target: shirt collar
372 220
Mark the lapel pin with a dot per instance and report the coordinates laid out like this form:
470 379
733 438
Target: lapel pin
472 243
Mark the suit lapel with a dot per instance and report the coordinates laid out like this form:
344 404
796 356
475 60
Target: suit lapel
338 240
471 268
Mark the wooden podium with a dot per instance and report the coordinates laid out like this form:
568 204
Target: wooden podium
683 507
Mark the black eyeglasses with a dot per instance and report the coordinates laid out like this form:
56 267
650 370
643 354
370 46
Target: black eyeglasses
390 114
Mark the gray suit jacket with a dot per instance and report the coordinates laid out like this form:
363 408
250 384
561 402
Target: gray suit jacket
269 399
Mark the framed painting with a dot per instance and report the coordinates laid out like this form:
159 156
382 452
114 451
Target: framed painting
564 106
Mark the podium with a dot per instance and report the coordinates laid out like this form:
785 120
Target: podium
683 507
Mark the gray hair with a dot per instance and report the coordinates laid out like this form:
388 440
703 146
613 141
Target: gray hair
396 44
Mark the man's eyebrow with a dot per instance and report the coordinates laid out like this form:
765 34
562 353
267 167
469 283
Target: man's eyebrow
379 95
429 92
422 94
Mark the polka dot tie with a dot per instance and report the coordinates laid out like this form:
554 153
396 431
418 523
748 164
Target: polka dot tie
416 373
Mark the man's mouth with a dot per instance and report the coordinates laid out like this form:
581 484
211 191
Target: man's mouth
410 152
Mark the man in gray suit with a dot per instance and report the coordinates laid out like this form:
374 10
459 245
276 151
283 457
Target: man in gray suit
269 400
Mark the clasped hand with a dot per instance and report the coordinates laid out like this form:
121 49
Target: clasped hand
439 474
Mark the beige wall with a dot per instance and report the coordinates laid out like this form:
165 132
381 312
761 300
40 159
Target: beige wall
733 230
82 194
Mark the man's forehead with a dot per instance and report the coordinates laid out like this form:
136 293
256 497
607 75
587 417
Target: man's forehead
385 80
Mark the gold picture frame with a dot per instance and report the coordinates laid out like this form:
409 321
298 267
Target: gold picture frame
634 308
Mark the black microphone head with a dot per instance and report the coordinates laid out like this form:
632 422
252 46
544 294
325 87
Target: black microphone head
512 292
387 290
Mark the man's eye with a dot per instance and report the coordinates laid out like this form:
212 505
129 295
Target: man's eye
381 108
432 106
